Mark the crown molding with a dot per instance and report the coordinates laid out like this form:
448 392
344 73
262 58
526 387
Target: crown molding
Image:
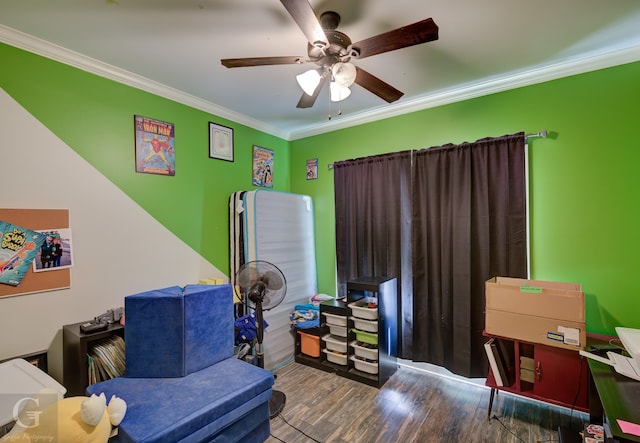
482 87
487 86
49 50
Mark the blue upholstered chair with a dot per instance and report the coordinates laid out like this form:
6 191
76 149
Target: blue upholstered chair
182 382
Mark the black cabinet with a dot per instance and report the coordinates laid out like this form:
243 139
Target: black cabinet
358 338
75 347
364 296
307 346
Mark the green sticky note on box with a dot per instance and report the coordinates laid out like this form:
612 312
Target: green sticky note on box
531 289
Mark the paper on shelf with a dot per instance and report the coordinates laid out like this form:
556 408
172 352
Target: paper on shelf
629 428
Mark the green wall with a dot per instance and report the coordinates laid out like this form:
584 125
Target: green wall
584 184
94 116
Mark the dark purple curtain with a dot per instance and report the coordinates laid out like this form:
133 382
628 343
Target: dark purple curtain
469 224
442 221
373 223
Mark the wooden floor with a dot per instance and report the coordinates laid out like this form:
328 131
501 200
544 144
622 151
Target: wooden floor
413 406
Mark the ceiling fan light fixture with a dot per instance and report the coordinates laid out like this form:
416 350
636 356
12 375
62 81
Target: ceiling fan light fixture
344 74
338 92
309 81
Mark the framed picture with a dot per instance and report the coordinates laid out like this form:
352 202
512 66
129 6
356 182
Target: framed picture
220 142
155 147
56 252
262 167
312 169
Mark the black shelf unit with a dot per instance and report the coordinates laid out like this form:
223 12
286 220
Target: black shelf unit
75 345
305 359
384 290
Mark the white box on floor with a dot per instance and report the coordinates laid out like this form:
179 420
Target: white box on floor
18 379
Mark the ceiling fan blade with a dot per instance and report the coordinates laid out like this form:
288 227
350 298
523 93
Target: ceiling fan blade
260 61
307 101
305 17
421 32
373 84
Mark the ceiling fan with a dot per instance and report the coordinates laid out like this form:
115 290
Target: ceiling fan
332 51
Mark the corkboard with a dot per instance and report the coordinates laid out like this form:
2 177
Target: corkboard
38 219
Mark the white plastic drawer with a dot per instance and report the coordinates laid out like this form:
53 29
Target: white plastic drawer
333 319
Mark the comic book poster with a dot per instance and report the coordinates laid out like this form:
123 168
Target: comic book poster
18 247
312 169
155 146
262 167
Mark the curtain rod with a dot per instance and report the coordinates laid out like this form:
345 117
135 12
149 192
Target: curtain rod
541 134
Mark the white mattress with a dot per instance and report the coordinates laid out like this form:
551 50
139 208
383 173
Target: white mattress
279 228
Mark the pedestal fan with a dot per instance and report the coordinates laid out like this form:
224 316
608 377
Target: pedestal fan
263 287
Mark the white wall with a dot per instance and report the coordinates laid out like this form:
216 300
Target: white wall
118 248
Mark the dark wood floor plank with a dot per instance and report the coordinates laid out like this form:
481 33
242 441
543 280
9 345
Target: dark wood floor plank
413 406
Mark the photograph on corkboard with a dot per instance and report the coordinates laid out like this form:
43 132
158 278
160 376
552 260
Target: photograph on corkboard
56 252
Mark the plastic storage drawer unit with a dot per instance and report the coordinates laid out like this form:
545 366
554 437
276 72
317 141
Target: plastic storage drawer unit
336 357
365 325
364 352
366 337
366 308
335 344
340 331
364 366
337 320
309 344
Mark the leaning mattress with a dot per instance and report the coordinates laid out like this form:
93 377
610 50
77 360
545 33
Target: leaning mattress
196 407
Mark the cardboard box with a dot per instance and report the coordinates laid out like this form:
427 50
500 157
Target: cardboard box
549 313
546 331
562 301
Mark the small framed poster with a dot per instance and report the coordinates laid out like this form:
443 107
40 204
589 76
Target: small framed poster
312 169
155 147
262 167
220 142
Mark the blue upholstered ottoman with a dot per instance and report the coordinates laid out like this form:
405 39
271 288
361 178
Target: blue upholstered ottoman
174 331
182 382
226 402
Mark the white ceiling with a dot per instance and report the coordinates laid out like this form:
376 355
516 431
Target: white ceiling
483 47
